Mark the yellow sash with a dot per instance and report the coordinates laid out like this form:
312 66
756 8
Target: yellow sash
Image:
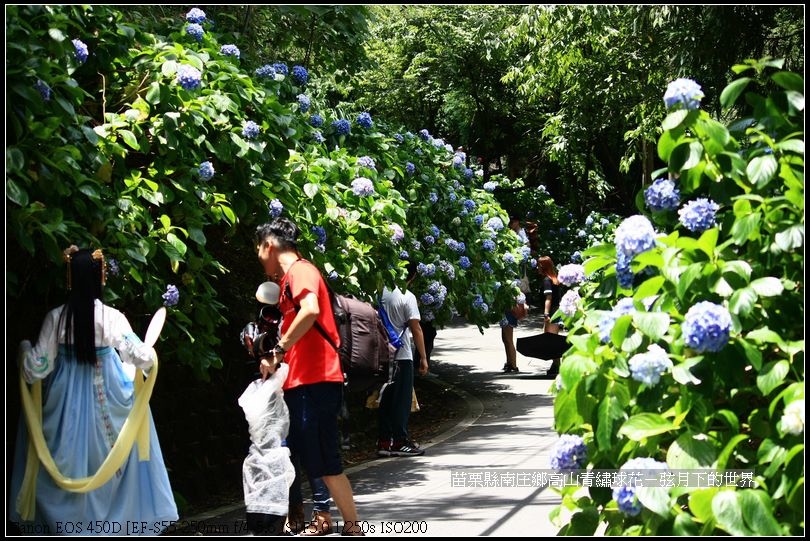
135 427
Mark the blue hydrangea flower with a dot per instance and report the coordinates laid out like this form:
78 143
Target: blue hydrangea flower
468 173
533 263
112 266
486 266
581 233
490 186
662 195
569 453
451 243
625 496
509 258
571 274
318 137
43 89
570 302
361 186
424 134
275 208
364 120
266 71
189 77
698 215
281 68
458 161
624 273
398 138
303 102
650 366
429 240
448 269
604 221
206 171
426 270
635 235
410 169
230 50
416 244
195 31
397 234
707 327
342 126
426 298
479 219
495 223
250 130
404 255
300 75
81 51
320 234
439 143
589 220
172 296
316 120
685 92
333 276
433 197
435 231
469 204
195 15
365 161
464 262
605 327
488 245
576 257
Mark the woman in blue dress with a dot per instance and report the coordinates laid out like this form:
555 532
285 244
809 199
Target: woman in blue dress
87 393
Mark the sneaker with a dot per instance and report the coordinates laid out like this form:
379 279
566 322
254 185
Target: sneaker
406 448
384 448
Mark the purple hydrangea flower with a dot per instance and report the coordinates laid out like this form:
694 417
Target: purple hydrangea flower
365 161
486 266
189 77
266 71
361 186
195 31
448 269
250 130
275 208
634 235
570 302
316 120
571 274
230 50
303 103
509 258
685 92
300 75
569 453
469 204
426 298
195 15
281 68
576 257
458 161
488 245
479 219
364 120
172 296
662 195
206 171
650 366
81 51
397 234
706 327
43 89
698 215
398 138
410 169
342 126
435 231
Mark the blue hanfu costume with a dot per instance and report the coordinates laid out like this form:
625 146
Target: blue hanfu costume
84 407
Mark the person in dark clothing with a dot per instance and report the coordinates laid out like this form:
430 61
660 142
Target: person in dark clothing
551 293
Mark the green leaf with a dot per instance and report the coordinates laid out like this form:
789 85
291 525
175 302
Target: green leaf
728 513
15 160
674 119
742 301
56 34
130 139
744 228
178 244
687 277
619 331
791 238
768 286
772 376
656 499
584 523
722 459
761 170
645 425
796 99
168 69
789 81
685 156
650 287
691 451
196 234
700 503
610 412
15 193
682 374
708 241
153 94
757 510
652 324
684 526
311 189
792 145
90 135
738 267
730 94
64 104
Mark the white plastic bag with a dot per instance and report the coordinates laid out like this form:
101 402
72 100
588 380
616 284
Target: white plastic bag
267 472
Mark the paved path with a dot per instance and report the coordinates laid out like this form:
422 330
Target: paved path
508 426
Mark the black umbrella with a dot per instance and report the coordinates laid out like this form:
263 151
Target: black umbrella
543 346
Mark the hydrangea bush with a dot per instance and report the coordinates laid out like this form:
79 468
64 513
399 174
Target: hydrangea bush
687 348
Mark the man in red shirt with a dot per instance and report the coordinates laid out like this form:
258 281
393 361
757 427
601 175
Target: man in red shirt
313 389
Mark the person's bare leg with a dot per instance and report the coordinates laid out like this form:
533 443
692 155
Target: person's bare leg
507 334
341 491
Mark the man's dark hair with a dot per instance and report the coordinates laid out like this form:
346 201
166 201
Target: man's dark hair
283 231
411 268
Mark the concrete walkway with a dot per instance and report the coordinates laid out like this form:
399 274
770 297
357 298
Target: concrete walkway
508 427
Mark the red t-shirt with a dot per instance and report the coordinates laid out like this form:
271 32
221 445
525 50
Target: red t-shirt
312 359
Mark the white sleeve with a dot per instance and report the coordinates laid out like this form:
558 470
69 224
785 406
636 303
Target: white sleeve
129 346
38 361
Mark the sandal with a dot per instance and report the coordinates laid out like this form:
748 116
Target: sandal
295 520
321 524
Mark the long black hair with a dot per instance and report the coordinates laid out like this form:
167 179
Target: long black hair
86 279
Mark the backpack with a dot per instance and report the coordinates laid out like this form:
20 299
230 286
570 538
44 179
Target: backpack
365 350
